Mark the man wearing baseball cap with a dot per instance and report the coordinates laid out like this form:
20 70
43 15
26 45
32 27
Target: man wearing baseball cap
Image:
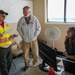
5 43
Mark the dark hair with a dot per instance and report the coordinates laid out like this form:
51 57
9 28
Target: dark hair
26 7
68 41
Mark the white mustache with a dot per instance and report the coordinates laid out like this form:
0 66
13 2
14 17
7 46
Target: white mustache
28 15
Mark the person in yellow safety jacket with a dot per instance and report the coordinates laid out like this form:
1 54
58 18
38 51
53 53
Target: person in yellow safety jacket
5 40
5 43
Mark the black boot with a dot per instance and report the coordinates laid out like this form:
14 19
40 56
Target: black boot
25 68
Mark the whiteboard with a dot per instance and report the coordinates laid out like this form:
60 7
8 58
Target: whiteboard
14 9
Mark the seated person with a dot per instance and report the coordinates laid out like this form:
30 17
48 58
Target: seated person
70 44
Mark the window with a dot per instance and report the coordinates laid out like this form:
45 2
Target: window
70 12
61 11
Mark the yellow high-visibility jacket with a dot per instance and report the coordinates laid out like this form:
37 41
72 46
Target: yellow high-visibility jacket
5 35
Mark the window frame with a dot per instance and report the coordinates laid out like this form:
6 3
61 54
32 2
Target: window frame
52 22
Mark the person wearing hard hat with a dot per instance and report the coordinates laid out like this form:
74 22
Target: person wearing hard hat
5 42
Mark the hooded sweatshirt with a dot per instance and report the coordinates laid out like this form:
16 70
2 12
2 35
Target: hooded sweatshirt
29 32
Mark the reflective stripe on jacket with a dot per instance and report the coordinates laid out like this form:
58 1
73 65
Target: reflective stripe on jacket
5 36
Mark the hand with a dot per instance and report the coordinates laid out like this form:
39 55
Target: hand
67 37
13 36
66 54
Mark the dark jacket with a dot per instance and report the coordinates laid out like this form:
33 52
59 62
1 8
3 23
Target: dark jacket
71 49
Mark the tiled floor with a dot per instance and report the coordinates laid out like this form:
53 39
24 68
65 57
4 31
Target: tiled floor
19 63
37 71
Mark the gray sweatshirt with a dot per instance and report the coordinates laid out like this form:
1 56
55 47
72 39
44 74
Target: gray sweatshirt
29 32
